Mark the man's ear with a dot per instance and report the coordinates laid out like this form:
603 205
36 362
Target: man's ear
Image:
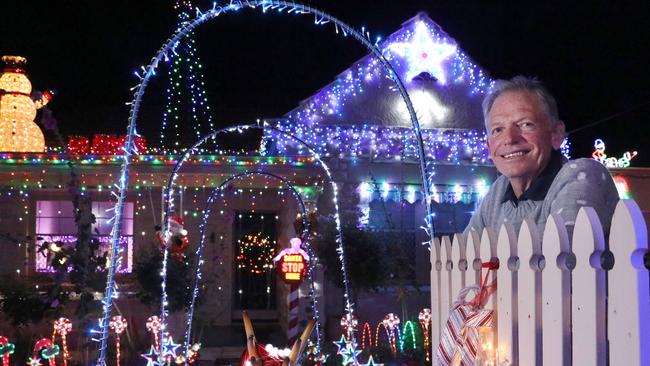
558 133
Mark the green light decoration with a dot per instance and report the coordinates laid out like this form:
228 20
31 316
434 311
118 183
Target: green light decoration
408 334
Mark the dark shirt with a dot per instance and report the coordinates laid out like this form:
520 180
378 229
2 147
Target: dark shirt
540 185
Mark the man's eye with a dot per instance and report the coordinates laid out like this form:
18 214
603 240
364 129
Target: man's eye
526 124
496 130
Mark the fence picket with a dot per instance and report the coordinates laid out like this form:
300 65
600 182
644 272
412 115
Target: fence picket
488 251
445 278
556 290
506 248
629 306
459 262
588 298
526 292
436 308
473 245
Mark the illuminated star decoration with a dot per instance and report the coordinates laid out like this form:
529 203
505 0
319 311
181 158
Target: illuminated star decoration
169 348
151 357
34 361
423 54
350 353
340 344
371 362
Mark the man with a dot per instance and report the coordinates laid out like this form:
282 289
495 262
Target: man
524 138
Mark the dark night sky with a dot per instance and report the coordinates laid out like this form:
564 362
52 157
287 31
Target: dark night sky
594 57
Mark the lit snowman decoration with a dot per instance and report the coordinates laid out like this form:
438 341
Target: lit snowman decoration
18 131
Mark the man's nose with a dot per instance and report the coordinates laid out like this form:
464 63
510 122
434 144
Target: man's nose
512 135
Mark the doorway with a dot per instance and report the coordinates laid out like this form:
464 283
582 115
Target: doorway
255 244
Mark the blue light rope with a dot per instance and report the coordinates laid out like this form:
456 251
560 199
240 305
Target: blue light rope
320 17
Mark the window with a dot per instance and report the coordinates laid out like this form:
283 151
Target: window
55 222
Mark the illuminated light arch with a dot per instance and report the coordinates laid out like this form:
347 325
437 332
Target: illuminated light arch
206 215
169 204
408 327
129 148
386 330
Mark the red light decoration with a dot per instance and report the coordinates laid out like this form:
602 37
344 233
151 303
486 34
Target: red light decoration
102 144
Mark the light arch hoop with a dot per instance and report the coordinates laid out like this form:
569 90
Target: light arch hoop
162 54
169 203
206 214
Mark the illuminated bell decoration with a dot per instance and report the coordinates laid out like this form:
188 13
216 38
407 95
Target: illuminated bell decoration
18 131
292 263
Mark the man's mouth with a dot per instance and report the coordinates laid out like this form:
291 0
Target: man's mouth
515 154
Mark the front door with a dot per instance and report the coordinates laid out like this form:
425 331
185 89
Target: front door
255 246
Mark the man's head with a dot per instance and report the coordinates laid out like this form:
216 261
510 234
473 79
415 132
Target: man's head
523 129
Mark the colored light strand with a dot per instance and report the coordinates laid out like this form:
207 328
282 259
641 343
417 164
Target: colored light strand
185 77
425 322
149 71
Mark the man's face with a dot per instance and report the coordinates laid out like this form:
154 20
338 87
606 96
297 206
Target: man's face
520 136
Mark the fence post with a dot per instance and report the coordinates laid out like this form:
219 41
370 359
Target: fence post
505 326
588 298
527 290
556 293
435 294
459 260
629 303
473 246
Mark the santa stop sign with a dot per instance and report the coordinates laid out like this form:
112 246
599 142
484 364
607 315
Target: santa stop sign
292 263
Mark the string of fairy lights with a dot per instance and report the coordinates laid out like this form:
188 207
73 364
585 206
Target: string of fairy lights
185 77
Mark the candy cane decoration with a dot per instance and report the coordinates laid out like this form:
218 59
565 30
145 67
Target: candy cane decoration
118 325
425 322
62 327
153 326
391 322
47 349
6 350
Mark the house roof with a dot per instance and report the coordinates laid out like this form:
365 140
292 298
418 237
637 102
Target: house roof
444 84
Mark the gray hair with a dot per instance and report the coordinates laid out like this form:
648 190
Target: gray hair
518 84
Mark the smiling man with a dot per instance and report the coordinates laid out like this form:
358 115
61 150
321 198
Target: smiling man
524 138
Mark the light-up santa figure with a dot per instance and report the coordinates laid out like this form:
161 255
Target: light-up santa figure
18 131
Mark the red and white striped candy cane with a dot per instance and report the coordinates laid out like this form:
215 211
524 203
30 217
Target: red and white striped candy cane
118 324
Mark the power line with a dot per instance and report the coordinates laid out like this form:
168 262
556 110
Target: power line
589 125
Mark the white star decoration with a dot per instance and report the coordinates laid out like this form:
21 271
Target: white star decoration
423 54
169 348
350 353
151 357
371 362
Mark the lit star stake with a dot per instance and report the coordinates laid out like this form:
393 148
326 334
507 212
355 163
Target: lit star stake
340 345
423 53
151 357
371 362
350 353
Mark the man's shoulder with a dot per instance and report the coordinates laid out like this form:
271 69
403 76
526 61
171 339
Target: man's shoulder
581 167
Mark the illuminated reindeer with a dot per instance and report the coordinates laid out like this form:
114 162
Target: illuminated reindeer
257 355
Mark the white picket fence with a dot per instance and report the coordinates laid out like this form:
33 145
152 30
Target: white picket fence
556 303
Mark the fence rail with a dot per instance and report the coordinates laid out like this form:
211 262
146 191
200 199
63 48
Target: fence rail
556 303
